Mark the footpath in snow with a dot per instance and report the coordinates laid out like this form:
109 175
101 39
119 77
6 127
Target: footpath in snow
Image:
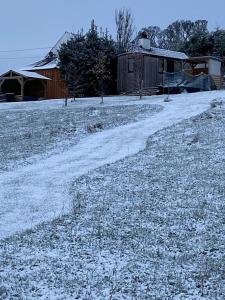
39 192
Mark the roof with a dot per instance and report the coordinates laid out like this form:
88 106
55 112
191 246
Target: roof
167 53
45 65
64 38
50 61
202 59
26 74
153 51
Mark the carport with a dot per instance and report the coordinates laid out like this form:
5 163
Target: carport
24 85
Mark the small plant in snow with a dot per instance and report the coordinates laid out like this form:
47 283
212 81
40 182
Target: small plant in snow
218 102
167 99
94 128
77 204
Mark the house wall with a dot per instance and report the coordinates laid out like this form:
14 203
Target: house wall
153 68
215 70
214 67
152 77
55 86
126 81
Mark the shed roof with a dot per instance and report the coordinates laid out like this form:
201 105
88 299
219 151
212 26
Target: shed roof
43 65
167 53
153 51
26 74
203 59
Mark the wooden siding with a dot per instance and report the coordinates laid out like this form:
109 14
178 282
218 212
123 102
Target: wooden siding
55 86
125 80
152 72
218 81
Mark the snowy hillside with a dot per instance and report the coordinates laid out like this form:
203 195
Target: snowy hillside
137 201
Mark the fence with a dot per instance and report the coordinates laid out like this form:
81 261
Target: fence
186 81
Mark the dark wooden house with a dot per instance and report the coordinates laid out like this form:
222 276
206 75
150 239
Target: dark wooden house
146 64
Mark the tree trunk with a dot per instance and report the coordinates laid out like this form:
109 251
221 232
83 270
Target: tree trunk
141 89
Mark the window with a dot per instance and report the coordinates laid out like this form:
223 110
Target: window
130 65
161 65
170 66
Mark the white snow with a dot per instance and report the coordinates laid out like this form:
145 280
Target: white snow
159 52
32 75
28 74
51 65
39 192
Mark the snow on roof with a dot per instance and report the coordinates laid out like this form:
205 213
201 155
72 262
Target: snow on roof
51 65
32 75
50 61
167 53
159 52
25 74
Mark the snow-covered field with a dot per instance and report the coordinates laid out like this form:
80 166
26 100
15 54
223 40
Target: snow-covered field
145 225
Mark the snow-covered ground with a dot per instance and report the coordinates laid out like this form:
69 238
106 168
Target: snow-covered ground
39 192
30 135
149 226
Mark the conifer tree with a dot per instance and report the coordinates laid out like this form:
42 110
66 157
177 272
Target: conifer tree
81 59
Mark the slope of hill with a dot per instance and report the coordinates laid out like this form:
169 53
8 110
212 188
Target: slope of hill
148 226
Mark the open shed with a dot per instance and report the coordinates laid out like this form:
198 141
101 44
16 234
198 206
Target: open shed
208 65
24 85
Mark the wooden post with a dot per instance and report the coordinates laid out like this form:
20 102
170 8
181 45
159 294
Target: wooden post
22 88
1 82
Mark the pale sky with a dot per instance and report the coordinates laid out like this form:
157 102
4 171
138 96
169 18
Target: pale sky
29 24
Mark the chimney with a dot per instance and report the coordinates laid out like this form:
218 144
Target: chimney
144 42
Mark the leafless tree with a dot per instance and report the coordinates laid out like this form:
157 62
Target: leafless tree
139 74
103 74
73 83
125 28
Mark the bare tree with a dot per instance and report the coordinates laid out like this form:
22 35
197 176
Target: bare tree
152 34
103 74
139 74
125 28
73 82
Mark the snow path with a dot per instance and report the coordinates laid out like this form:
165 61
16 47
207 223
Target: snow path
39 192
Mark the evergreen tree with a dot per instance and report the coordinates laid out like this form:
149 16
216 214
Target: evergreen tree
71 65
79 58
219 43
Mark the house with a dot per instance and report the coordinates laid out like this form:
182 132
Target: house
147 64
48 67
40 80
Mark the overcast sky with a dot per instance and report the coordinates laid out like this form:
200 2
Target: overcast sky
32 24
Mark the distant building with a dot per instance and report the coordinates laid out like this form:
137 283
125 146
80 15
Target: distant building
24 85
151 62
40 80
48 67
160 68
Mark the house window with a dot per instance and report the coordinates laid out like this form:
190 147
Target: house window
161 65
130 65
170 66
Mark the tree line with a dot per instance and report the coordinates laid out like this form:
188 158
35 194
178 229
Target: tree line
88 61
187 36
